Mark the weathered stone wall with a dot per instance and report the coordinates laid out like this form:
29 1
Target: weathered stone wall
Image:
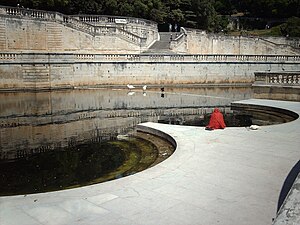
38 71
140 27
200 42
46 50
37 35
33 30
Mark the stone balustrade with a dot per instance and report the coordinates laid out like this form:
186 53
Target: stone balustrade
179 40
283 78
70 58
13 11
99 20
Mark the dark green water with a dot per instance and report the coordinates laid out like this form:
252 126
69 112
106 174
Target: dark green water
76 166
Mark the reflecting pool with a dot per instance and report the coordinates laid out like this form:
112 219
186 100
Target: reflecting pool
63 139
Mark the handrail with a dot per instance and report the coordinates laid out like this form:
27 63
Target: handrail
179 39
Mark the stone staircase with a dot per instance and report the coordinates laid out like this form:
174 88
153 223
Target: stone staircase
72 22
36 76
163 45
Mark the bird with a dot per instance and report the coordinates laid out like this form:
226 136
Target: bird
162 89
144 87
130 93
130 87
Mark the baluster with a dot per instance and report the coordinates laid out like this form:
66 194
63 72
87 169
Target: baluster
280 80
272 79
284 79
297 79
289 79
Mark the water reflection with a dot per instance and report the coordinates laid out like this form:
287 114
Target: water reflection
64 139
44 121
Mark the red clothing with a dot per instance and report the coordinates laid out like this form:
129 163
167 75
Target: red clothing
216 120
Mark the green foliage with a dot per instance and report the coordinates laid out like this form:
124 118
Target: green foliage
292 27
44 4
201 14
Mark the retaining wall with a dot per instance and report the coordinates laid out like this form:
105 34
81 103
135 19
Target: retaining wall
35 30
205 43
52 71
48 50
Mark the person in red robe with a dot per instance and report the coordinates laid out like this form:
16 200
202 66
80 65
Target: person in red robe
216 121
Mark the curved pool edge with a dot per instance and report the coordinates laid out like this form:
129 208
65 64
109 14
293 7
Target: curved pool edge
230 176
147 129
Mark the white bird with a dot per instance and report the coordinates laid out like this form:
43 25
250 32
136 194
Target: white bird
130 86
144 87
130 93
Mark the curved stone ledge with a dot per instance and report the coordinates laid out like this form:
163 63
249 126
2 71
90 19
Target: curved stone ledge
262 108
158 133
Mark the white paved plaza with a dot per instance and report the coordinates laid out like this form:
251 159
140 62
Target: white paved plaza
228 177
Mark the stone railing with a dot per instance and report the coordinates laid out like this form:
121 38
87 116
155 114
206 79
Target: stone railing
110 20
13 57
13 11
50 16
131 37
79 23
282 78
179 39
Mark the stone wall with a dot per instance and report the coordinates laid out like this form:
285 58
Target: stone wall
33 30
52 71
200 42
48 50
32 35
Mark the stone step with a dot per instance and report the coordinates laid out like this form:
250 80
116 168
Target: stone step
159 51
163 45
35 74
54 36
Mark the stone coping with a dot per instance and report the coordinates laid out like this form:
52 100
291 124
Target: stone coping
230 176
77 57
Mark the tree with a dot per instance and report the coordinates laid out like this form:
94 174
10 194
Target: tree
111 7
84 7
291 28
51 5
205 14
201 14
